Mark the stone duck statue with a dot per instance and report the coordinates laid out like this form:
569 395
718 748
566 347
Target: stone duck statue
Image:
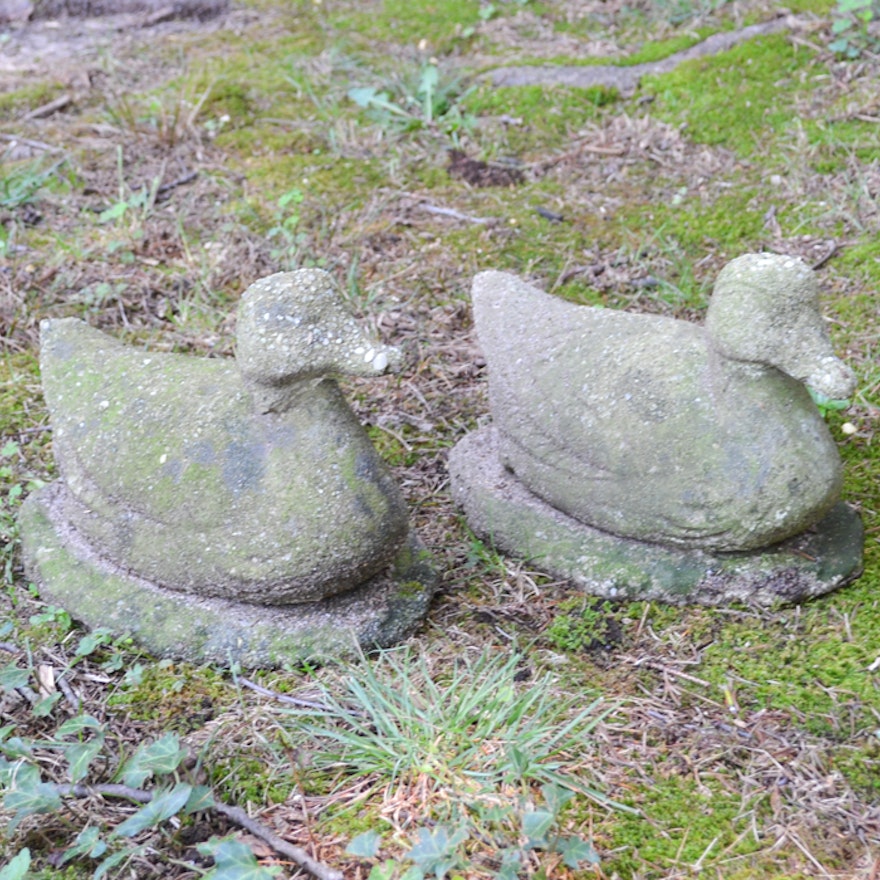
662 430
251 481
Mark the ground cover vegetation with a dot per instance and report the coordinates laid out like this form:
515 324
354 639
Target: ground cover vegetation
149 174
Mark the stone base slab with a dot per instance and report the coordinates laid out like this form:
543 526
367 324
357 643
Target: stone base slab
70 574
500 509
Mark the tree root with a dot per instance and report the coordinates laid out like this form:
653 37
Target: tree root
626 79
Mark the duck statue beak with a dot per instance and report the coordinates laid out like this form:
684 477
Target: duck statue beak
831 379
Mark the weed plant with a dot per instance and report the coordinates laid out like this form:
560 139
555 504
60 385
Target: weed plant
476 736
20 183
852 28
429 101
154 777
474 728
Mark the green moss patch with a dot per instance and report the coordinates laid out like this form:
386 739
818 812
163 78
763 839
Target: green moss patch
176 697
22 101
683 823
738 98
838 141
657 51
551 110
438 22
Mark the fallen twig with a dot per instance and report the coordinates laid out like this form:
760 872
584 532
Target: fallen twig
110 789
833 249
282 698
235 814
28 142
72 699
180 181
626 79
294 853
660 667
451 212
48 109
164 14
297 701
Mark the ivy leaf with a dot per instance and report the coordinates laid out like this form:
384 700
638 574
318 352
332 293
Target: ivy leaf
385 871
575 850
160 757
7 772
80 755
18 867
824 403
511 863
88 843
365 846
163 806
12 677
29 795
363 97
535 826
435 850
234 860
91 641
16 747
201 798
77 725
113 860
43 708
114 212
556 797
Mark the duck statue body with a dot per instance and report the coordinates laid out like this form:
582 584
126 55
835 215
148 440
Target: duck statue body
699 438
250 482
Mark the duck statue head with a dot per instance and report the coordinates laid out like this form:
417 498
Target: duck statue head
205 480
293 330
765 311
662 430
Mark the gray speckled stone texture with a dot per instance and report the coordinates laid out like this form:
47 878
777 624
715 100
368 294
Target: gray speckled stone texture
171 474
222 510
662 430
201 629
503 511
294 326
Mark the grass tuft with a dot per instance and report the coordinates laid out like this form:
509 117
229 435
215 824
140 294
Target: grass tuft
472 729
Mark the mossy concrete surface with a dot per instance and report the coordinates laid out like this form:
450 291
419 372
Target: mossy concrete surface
173 475
503 511
662 430
203 629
